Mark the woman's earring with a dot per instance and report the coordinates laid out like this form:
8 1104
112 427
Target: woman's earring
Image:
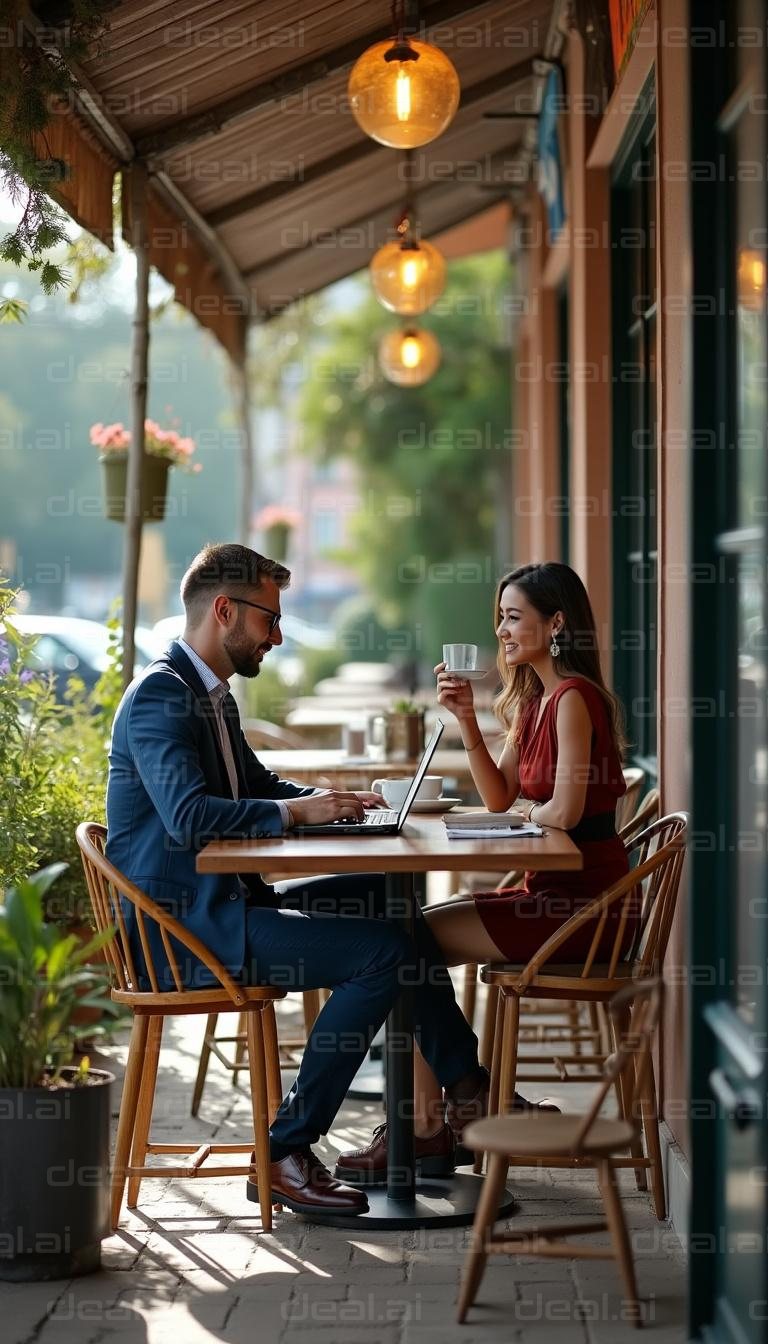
554 647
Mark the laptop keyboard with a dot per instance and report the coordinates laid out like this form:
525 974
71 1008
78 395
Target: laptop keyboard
380 817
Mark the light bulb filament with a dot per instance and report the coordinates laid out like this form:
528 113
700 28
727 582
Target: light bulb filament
410 273
410 352
403 96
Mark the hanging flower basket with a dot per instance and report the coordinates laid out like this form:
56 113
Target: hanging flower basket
154 482
276 540
276 522
163 448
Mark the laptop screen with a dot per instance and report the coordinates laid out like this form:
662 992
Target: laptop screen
429 752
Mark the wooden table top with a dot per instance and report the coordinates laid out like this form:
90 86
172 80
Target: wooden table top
422 847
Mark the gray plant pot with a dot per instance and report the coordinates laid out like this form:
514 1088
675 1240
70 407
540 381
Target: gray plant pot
154 483
54 1178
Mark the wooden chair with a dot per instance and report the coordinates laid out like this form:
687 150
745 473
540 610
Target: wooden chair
106 886
589 1140
572 1024
647 812
289 1053
626 807
658 853
573 1030
271 736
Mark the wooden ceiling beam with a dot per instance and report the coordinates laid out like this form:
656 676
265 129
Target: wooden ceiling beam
287 255
201 125
359 151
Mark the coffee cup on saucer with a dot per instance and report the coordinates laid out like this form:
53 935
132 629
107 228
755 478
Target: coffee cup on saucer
395 791
460 657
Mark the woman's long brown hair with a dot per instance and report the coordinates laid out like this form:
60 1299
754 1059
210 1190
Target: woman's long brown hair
552 587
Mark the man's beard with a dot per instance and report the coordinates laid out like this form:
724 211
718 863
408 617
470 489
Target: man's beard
242 653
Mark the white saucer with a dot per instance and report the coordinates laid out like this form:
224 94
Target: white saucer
435 804
476 674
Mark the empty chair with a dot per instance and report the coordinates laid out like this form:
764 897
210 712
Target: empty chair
590 1140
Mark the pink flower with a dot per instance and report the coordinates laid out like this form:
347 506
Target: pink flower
274 515
159 442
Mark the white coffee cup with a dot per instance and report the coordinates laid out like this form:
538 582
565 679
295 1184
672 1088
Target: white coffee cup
460 657
395 791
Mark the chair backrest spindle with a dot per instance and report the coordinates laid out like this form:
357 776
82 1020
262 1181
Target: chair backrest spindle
632 1057
108 888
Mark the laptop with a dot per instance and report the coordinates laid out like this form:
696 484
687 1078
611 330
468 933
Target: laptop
380 820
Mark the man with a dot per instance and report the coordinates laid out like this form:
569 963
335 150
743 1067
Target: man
181 774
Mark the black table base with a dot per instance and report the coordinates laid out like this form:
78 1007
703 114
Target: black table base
437 1203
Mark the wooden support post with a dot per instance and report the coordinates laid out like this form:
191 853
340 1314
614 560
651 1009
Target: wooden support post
137 185
247 464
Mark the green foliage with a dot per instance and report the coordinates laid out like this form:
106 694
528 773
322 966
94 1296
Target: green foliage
405 707
33 80
434 459
88 261
53 765
13 310
29 720
44 979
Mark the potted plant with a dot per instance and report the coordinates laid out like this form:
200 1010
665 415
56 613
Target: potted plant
53 765
54 1140
404 731
277 522
163 448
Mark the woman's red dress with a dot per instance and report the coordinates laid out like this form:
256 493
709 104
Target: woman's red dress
520 919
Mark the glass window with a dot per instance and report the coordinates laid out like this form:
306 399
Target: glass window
634 444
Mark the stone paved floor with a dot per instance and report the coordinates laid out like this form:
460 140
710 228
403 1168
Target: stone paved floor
191 1266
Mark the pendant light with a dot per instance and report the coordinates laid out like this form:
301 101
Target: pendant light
403 93
408 274
409 356
408 277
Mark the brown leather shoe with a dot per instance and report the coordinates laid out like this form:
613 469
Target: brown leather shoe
435 1156
302 1183
461 1113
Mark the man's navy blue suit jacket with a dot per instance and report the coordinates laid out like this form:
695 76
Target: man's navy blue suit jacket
168 795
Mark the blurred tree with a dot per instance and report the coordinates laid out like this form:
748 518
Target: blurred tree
434 460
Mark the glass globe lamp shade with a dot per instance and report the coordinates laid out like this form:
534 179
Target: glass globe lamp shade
403 94
408 279
409 356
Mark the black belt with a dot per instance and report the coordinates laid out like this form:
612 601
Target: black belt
600 827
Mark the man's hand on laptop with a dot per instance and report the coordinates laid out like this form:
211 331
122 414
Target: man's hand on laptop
327 805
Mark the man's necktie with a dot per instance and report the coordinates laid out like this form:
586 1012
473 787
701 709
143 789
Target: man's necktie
217 700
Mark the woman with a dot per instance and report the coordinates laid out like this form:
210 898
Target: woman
563 756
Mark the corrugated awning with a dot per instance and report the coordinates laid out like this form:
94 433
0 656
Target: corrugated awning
240 112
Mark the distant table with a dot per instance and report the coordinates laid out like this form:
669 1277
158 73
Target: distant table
325 719
344 772
422 846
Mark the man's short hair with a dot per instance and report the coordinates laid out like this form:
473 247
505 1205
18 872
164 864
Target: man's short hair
227 567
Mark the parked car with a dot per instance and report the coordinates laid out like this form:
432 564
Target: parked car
70 646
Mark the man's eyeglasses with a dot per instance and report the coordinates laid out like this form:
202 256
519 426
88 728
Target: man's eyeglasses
274 615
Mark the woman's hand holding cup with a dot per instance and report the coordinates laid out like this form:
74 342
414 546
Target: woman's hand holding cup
454 693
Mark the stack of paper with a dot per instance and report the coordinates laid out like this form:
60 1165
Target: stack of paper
486 820
491 827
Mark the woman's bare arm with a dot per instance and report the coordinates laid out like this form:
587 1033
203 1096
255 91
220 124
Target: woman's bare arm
498 785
